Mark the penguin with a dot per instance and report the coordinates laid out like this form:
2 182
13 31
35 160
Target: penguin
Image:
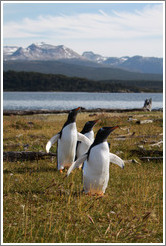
87 130
96 163
67 139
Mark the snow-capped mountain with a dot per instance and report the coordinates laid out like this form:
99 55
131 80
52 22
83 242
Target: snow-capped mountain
135 63
103 59
43 51
94 57
9 50
47 52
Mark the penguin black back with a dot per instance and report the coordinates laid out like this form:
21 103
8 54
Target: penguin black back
71 118
88 126
101 136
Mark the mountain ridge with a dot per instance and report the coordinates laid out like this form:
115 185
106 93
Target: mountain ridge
75 70
47 52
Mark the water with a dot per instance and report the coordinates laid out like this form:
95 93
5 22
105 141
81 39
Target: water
69 100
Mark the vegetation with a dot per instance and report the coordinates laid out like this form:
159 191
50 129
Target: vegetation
74 68
42 206
32 81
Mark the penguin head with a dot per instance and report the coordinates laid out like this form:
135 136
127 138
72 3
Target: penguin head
88 126
72 115
104 132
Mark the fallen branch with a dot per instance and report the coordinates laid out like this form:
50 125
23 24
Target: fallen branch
145 158
123 137
25 155
32 155
46 111
156 144
135 136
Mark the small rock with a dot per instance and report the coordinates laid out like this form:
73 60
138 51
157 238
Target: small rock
119 152
144 121
112 212
140 146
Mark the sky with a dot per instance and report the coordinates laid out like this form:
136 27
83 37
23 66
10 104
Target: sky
107 28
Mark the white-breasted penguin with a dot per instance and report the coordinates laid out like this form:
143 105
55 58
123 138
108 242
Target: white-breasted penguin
87 130
96 163
67 139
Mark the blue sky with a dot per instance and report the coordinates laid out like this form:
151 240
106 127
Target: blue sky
110 29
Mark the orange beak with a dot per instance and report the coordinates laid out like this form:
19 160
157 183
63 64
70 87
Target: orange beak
77 108
114 127
96 121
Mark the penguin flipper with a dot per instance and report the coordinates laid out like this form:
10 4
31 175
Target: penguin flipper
116 160
51 142
84 139
77 163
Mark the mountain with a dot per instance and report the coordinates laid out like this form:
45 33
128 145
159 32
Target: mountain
94 57
8 51
135 64
46 52
77 70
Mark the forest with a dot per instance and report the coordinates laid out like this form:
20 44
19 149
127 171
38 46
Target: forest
34 81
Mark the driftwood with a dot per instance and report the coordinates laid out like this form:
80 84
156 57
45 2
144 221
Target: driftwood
148 104
123 137
151 158
157 144
135 136
32 155
144 158
45 111
25 155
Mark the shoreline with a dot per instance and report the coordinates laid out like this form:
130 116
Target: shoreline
95 110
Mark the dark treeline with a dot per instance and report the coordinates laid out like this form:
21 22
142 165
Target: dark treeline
33 81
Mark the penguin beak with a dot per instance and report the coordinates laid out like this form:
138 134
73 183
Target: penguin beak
95 121
77 109
113 128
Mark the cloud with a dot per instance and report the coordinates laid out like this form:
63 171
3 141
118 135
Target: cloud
88 26
117 26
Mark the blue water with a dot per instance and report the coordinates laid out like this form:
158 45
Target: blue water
69 100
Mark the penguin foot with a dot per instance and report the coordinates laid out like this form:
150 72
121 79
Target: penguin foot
88 193
101 194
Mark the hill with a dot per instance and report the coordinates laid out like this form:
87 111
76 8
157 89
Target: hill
32 81
75 70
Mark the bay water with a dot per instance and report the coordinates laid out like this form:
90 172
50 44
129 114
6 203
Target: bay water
70 100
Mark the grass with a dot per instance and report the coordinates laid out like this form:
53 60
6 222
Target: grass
41 206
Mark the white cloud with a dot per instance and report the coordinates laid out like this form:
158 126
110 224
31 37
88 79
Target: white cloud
120 26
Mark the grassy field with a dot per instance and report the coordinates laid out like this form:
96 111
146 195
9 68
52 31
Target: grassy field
41 206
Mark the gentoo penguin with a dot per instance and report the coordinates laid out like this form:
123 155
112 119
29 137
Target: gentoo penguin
87 130
67 139
96 163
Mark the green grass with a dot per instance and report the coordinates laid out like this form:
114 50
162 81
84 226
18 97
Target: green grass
41 206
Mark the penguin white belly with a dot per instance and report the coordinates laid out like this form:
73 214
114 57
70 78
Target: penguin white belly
67 146
96 169
82 147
